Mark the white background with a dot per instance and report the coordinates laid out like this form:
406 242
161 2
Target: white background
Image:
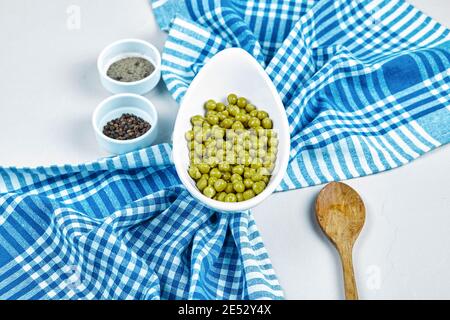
49 88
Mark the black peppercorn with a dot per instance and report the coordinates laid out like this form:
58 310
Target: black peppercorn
127 127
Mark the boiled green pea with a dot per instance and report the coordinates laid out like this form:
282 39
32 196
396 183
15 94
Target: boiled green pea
262 114
210 105
248 194
215 173
232 98
259 187
224 167
212 119
202 184
226 123
212 181
220 185
221 196
189 135
248 183
239 169
238 186
242 102
237 125
203 167
194 172
267 123
197 120
253 122
209 192
249 107
220 107
230 198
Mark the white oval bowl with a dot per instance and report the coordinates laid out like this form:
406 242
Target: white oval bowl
231 71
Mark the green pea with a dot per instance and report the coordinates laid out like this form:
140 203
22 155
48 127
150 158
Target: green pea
194 172
221 116
226 176
248 194
259 187
253 122
270 166
220 107
249 107
256 177
238 186
212 181
229 188
239 197
203 167
243 118
232 98
273 142
224 167
218 133
266 179
220 155
262 153
233 110
197 120
215 173
202 184
257 164
209 192
253 113
267 123
220 185
221 196
189 135
210 105
205 176
235 177
248 183
237 125
262 114
271 133
230 198
242 102
212 119
239 170
247 145
226 123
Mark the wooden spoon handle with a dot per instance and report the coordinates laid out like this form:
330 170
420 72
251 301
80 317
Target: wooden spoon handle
351 292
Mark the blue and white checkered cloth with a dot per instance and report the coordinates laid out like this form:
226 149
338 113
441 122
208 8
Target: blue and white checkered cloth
366 89
365 83
123 228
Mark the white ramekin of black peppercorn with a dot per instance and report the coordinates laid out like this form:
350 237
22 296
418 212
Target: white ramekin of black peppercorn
125 122
129 66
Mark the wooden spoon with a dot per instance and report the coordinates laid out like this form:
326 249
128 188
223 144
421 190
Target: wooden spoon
341 214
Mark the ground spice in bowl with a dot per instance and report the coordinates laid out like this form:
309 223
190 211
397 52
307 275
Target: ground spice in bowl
127 127
130 69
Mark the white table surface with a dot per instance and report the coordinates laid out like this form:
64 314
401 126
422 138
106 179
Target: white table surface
49 88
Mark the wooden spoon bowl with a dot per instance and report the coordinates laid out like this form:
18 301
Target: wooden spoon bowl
341 214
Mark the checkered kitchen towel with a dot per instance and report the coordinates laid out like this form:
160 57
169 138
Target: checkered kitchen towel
365 83
123 228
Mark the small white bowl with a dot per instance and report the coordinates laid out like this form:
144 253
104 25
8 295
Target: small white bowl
129 48
112 108
231 70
